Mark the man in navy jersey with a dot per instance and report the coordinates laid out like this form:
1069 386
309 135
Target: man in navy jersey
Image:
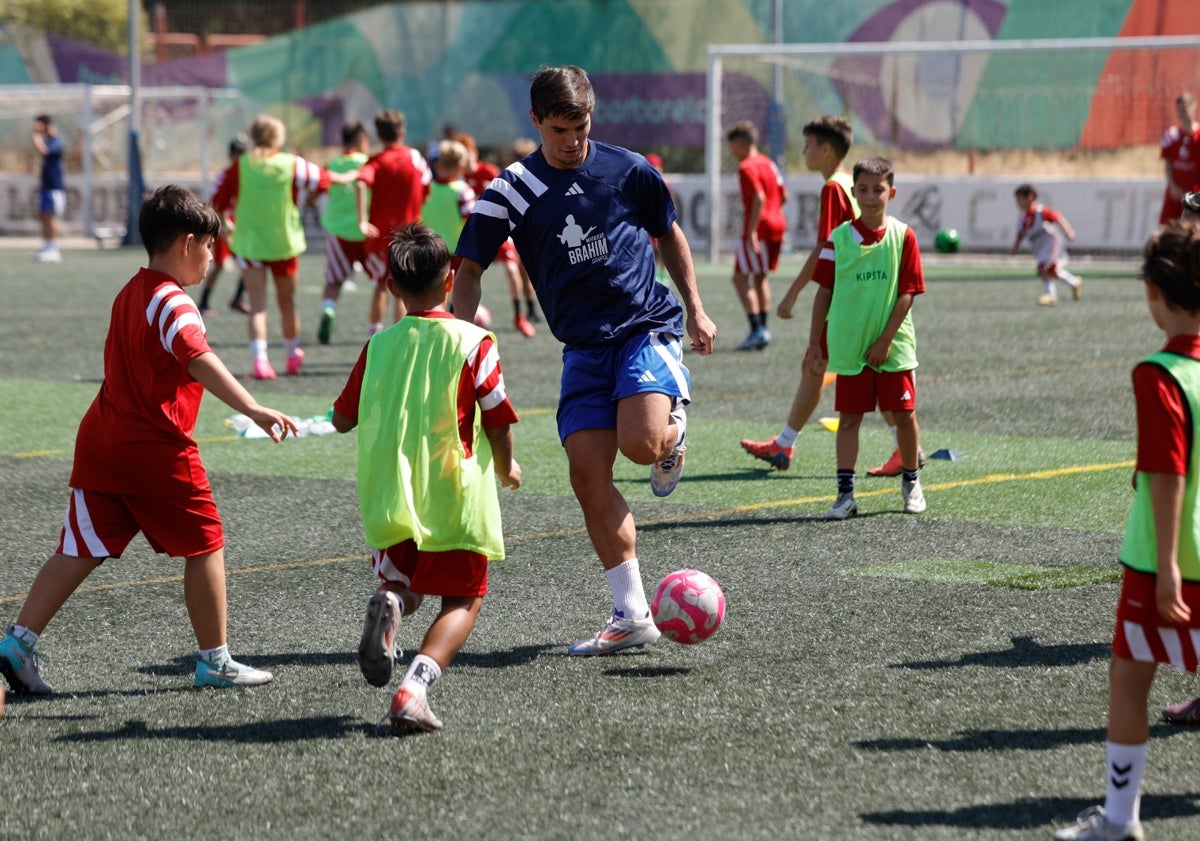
578 212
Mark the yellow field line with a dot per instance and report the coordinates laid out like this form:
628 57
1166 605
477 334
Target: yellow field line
991 479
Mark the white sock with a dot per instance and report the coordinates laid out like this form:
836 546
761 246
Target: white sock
629 597
25 636
292 345
258 348
1049 287
212 656
786 436
329 304
423 673
1124 769
1070 279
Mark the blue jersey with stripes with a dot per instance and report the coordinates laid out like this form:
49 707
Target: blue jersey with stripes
581 234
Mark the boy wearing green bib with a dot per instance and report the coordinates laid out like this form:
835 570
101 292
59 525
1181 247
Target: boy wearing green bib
867 277
1158 612
433 418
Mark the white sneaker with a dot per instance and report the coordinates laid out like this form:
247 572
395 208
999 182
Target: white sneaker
47 254
377 651
229 672
914 499
844 507
665 474
617 634
410 713
1093 825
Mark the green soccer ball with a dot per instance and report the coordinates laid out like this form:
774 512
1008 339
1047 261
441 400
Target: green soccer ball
947 241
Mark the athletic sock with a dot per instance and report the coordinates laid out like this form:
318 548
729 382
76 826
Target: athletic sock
292 345
516 307
845 480
25 636
762 320
910 475
787 436
213 656
258 348
753 319
329 304
629 597
1124 770
204 299
422 673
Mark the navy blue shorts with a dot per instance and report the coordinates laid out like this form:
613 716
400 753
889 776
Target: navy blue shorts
595 378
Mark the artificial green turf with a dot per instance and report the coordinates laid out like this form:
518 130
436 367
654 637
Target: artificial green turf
988 573
829 705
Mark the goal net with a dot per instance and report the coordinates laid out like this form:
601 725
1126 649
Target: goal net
184 134
972 94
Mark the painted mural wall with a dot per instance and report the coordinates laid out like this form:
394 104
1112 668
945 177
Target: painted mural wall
468 63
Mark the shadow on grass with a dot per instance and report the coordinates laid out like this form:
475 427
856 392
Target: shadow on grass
745 474
1025 651
1029 813
750 519
185 665
255 732
647 671
990 740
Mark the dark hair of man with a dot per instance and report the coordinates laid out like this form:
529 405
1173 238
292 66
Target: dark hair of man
564 92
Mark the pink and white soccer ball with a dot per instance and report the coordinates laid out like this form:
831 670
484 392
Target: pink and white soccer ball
688 606
483 317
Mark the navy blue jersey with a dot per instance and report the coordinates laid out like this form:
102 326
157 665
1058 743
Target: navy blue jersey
581 234
52 164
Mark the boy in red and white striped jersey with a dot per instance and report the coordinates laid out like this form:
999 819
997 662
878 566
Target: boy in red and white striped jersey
137 467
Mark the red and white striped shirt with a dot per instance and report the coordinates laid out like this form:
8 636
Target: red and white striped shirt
136 438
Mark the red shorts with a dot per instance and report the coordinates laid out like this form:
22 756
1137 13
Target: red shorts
891 391
221 251
1142 634
455 573
766 260
287 267
507 252
101 525
376 265
340 257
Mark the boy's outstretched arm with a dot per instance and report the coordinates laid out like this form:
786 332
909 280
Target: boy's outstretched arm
1067 229
788 302
210 371
1166 496
507 469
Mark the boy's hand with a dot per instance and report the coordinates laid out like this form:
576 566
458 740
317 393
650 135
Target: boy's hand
702 332
814 361
786 304
511 480
877 353
368 230
1168 593
276 424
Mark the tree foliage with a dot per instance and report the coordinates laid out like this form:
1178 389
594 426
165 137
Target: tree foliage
101 23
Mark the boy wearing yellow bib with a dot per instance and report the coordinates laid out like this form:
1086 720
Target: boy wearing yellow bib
433 418
867 277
